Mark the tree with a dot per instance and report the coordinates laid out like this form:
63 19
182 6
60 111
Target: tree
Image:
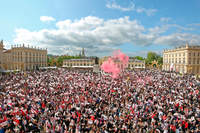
58 60
160 60
139 58
151 56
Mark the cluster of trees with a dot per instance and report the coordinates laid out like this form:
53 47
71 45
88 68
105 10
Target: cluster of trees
58 60
151 56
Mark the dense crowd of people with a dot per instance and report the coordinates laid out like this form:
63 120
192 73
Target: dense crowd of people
63 101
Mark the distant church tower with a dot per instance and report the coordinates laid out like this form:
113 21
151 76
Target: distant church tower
1 45
83 52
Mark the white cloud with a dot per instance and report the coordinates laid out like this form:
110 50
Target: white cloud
194 24
7 44
46 19
131 7
178 39
114 5
165 19
99 36
149 12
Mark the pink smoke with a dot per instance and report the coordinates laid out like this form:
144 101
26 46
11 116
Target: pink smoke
122 57
115 64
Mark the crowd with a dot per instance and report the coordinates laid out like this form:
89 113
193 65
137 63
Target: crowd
62 101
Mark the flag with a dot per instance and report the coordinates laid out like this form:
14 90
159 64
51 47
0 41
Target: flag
16 121
92 118
43 105
186 125
164 117
173 127
153 115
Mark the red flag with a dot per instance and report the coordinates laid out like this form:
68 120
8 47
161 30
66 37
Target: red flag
92 118
23 113
164 117
173 127
112 91
132 110
177 105
153 115
181 107
43 105
4 119
16 121
186 125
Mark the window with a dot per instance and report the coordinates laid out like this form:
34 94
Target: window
197 61
189 61
194 54
183 60
189 54
194 61
180 60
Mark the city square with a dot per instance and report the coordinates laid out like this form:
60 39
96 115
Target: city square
100 66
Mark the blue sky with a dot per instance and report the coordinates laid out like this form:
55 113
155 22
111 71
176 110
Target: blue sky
100 26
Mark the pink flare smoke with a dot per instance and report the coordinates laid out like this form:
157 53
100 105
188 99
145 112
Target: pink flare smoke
110 66
121 56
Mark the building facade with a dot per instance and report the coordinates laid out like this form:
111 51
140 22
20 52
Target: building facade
22 58
132 62
79 63
1 54
184 59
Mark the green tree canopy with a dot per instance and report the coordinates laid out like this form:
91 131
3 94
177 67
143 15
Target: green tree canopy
58 61
151 56
139 58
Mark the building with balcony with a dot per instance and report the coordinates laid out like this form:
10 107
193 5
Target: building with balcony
132 63
185 59
22 58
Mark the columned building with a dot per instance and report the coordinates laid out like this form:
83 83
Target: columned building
79 63
1 55
132 62
83 62
184 59
22 58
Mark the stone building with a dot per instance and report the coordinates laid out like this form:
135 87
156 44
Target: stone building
132 63
22 58
185 59
83 62
79 63
1 55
